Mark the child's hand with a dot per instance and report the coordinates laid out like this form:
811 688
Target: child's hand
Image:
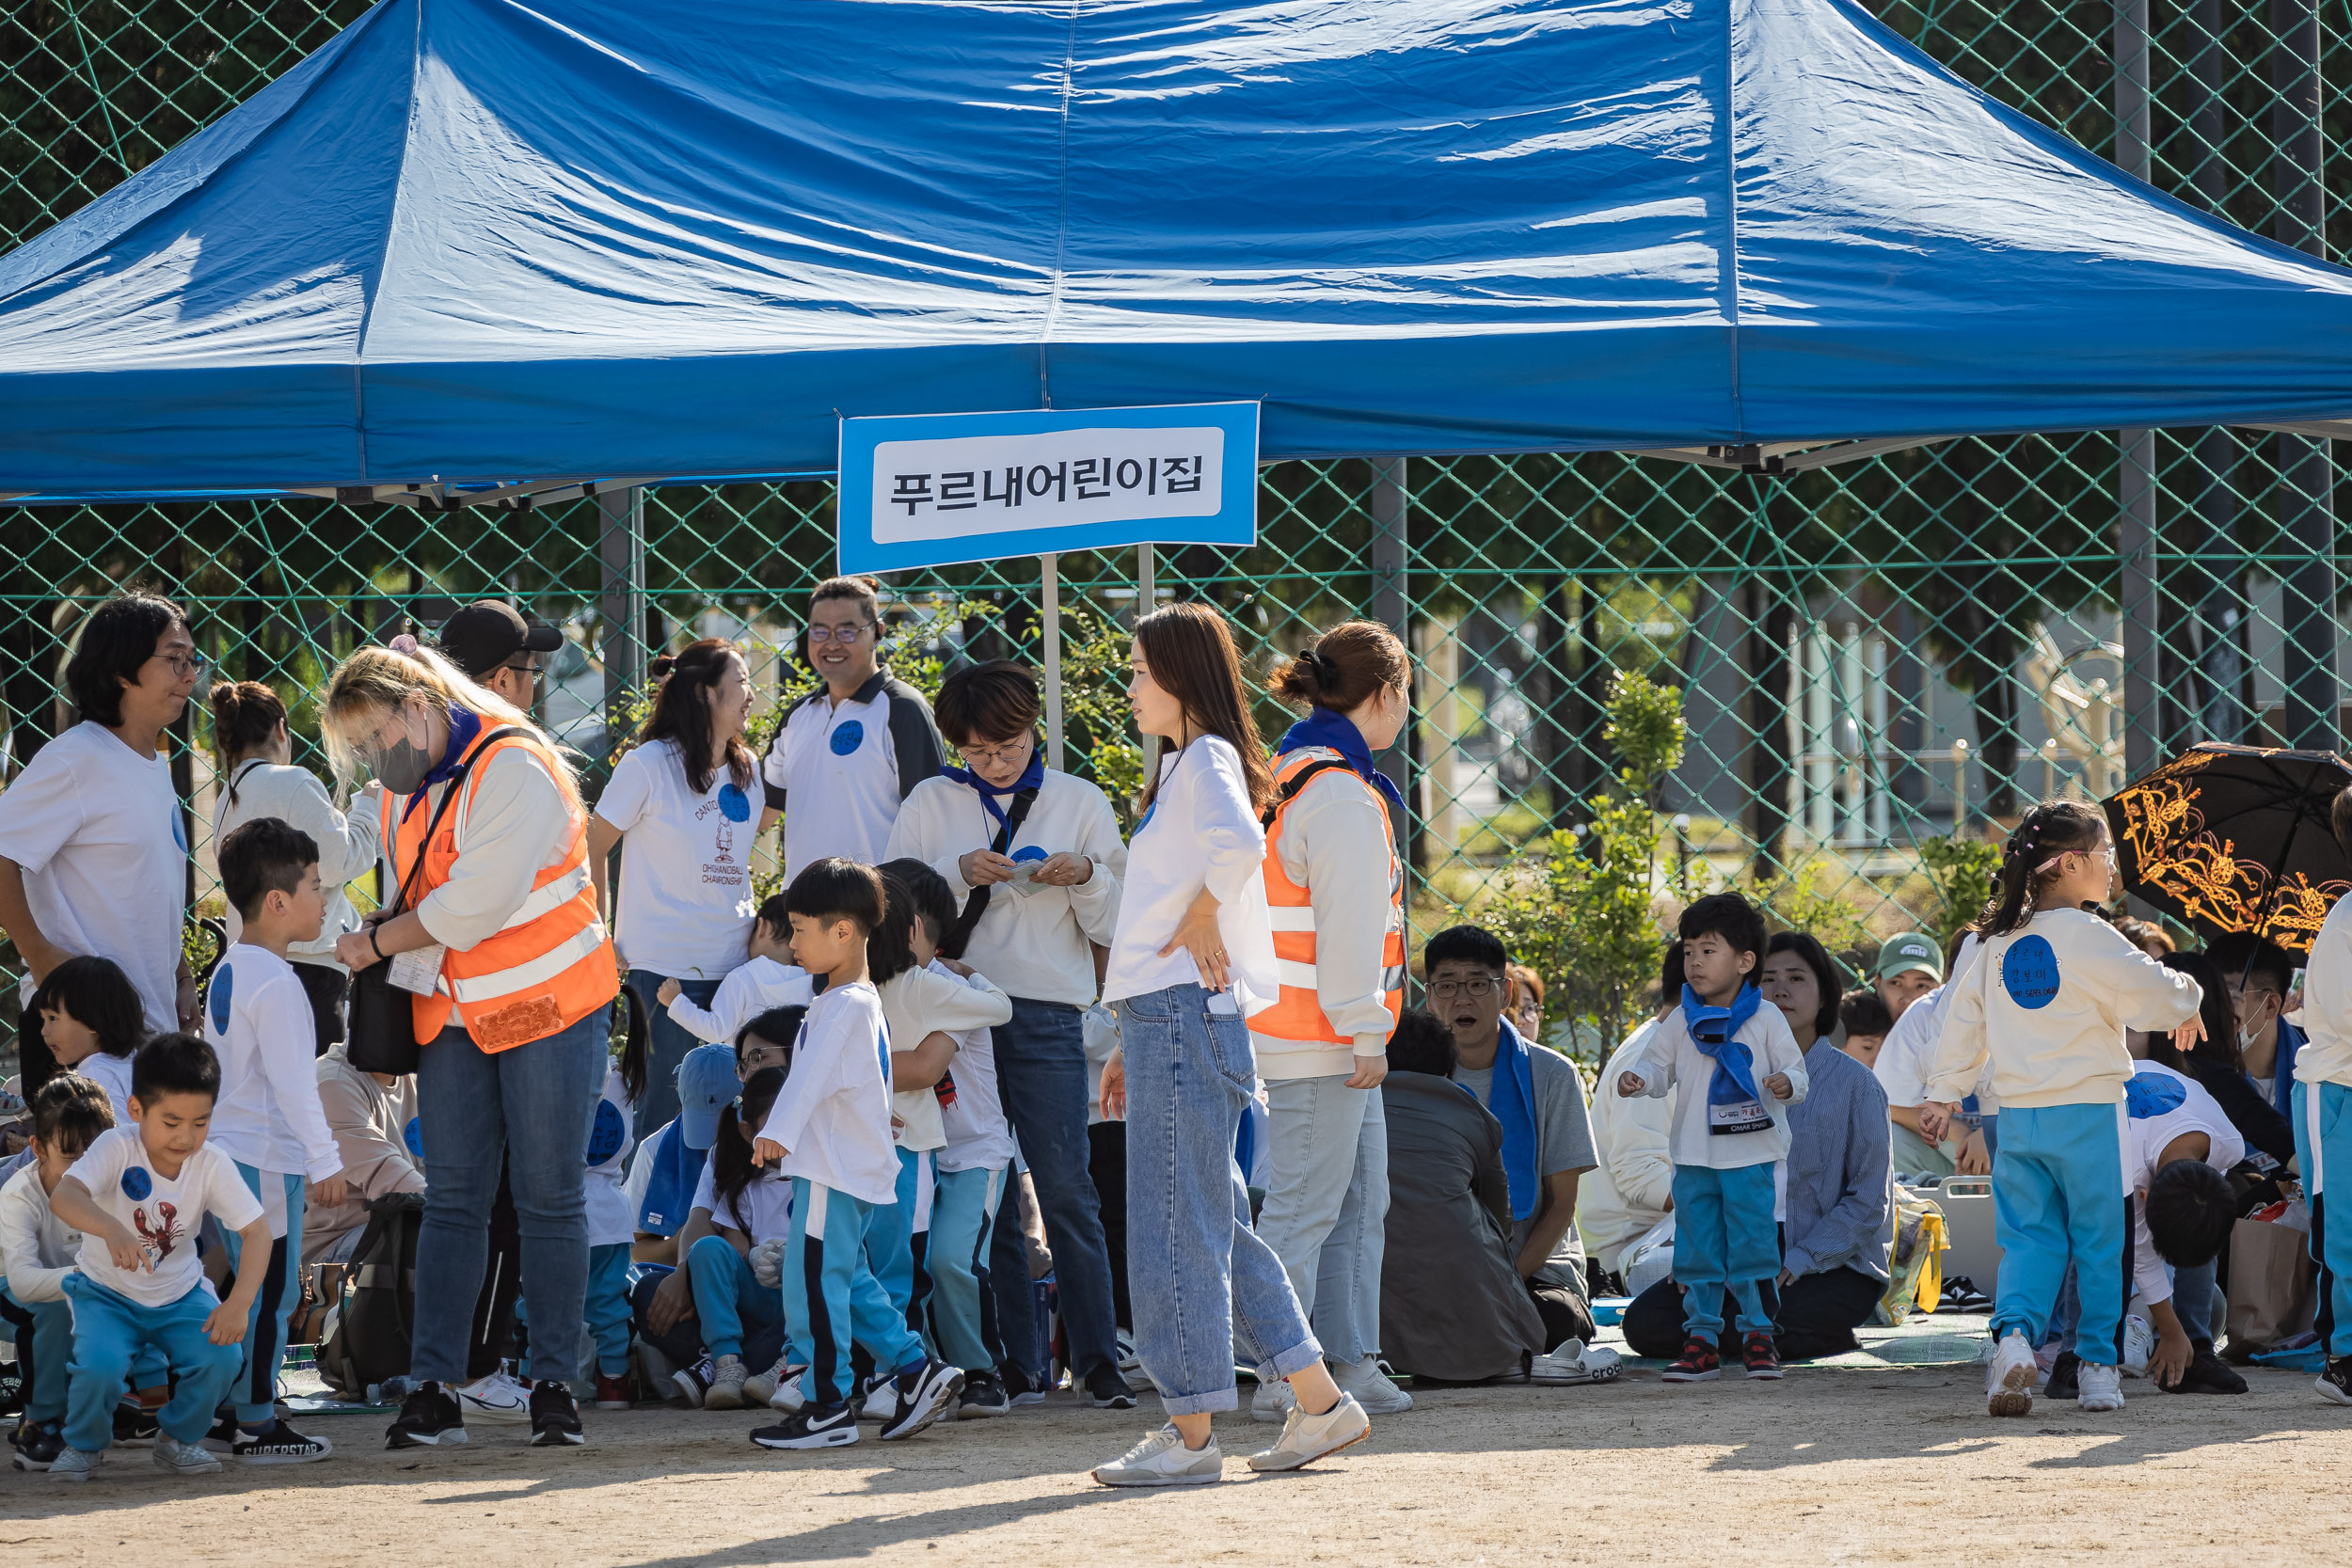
670 992
954 966
127 1254
1629 1084
225 1325
1778 1086
1935 1118
329 1192
766 1151
2171 1357
2188 1034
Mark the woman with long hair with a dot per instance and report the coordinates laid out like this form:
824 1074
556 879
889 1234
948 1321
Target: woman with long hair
684 804
510 979
1191 959
258 778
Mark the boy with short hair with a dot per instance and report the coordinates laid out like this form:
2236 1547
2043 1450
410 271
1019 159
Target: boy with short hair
766 980
37 1251
1865 1016
138 1195
1727 1138
269 1120
830 1127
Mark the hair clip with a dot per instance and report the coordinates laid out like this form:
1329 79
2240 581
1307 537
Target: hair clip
404 643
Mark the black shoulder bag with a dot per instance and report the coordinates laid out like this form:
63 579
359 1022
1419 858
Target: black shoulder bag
382 1034
976 905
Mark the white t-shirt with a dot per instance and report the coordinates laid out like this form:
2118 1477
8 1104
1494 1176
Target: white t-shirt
762 1211
348 845
612 1214
684 903
1200 830
98 830
832 1115
164 1212
1902 1064
2160 1105
760 985
258 1021
914 1005
979 1137
838 770
113 1074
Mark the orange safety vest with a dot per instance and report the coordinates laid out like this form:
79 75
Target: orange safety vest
1297 1011
550 966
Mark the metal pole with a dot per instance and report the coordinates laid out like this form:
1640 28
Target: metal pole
1147 590
2135 530
620 553
2306 467
1389 607
1050 565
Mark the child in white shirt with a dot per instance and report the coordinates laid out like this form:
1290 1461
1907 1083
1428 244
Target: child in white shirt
258 1020
93 1022
768 980
745 1206
37 1252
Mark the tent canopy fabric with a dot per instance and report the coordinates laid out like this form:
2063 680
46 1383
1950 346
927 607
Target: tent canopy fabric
484 241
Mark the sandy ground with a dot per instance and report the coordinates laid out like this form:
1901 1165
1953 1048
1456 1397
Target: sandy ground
1833 1465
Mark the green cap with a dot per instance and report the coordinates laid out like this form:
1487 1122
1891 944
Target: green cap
1910 951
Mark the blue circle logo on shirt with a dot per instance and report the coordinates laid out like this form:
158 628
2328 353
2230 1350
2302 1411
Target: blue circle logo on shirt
2029 973
734 804
605 1134
413 1135
224 982
2153 1094
136 1183
847 737
178 831
1030 852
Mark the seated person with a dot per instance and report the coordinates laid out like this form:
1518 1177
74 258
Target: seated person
1966 1149
374 1118
1863 1014
1546 1131
2217 1062
2258 975
1838 1203
1452 1307
1910 967
1632 1187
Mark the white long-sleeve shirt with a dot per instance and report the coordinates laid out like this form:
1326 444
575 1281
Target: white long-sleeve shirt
348 843
2326 1054
832 1115
1201 831
1628 1190
2048 1004
519 823
1035 943
2163 1106
1669 1058
1335 842
37 1249
258 1021
751 988
979 1137
914 1004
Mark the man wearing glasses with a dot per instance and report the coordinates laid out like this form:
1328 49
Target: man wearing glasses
852 751
499 651
93 842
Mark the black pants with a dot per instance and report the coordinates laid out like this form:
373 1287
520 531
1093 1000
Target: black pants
1566 1314
22 1320
502 1282
1814 1315
1107 1162
326 989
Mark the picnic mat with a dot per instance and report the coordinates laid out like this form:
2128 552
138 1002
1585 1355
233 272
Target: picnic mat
1938 1340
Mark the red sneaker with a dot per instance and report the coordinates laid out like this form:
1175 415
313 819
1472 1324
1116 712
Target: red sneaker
613 1392
1698 1363
1761 1354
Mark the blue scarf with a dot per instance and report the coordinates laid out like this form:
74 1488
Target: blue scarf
1512 1098
1032 777
463 724
1323 726
1711 1030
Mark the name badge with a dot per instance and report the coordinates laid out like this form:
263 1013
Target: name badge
418 970
1743 1116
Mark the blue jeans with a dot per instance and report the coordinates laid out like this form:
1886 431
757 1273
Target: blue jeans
2058 1194
530 1106
830 1297
729 1302
1725 1240
1203 1282
43 1367
666 1045
2323 1138
1042 1080
962 1321
281 1291
1326 1206
110 1331
607 1305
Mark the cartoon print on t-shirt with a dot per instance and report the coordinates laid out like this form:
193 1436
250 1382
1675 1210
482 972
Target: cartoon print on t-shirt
160 1237
723 869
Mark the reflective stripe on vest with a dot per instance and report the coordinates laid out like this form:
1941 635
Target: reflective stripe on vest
1297 1012
547 966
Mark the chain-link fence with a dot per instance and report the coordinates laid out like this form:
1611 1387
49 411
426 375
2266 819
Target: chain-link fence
1874 657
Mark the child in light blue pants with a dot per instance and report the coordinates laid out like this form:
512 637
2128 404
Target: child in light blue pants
1725 1239
607 1309
263 1354
831 1296
729 1302
109 1333
2059 1193
962 1216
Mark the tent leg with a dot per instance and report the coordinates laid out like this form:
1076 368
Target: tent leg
1147 588
2306 466
620 553
1050 567
1388 607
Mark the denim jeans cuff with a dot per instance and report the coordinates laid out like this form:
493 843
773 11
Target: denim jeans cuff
1211 1403
1297 1359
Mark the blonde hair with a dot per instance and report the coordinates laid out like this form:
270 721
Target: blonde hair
375 681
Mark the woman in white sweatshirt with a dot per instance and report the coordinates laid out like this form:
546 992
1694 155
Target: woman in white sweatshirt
259 779
1192 958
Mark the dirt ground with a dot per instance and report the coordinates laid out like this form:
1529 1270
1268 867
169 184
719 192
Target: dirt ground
1833 1465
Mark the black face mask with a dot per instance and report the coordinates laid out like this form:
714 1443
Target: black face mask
402 767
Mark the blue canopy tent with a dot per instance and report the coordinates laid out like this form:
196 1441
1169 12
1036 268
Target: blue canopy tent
510 247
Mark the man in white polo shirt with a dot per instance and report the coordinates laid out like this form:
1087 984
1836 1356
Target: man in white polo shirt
851 750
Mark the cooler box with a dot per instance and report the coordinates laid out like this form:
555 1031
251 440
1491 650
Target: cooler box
1975 1250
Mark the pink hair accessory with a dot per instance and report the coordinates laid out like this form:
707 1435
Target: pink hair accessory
404 643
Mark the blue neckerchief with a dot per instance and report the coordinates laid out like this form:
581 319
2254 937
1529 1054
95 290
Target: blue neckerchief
1032 777
463 724
1712 1030
1325 727
1511 1096
677 1166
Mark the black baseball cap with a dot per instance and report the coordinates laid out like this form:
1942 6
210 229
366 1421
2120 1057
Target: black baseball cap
488 632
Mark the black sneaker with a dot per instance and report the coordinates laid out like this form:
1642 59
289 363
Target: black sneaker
2335 1383
428 1418
1107 1390
835 1428
2206 1373
983 1396
2065 1377
694 1382
924 1394
554 1415
222 1437
1020 1388
279 1444
37 1445
134 1425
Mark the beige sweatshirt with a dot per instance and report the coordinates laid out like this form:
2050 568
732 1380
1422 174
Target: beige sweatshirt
2048 1005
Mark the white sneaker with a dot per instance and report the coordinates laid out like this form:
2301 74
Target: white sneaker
73 1463
495 1400
760 1388
1573 1362
2139 1340
1162 1460
788 1396
2100 1387
2009 1381
881 1402
176 1458
1372 1388
1307 1438
1273 1402
728 1377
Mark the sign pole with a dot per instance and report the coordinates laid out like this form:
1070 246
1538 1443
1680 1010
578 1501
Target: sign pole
1147 592
1050 566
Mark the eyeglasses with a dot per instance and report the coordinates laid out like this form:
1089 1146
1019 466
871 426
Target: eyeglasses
526 668
1001 756
1479 988
185 665
839 634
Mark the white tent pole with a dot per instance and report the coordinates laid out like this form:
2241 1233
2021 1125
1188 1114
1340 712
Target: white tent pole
1050 565
1146 590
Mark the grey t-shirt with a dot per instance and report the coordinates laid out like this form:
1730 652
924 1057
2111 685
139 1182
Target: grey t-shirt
1563 1136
